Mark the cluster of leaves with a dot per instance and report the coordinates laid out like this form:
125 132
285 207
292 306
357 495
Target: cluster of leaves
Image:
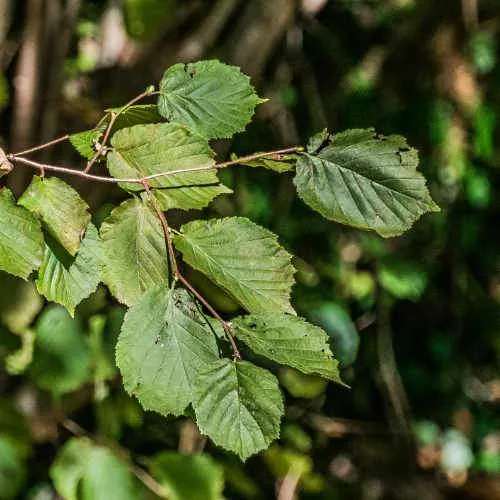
172 354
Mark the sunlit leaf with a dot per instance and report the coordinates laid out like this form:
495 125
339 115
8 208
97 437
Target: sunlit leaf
146 150
133 251
69 282
242 258
212 98
189 197
60 207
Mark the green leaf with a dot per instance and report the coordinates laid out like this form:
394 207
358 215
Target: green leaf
21 303
152 149
146 20
337 323
300 385
281 165
238 405
133 251
61 362
242 258
60 207
69 284
85 471
21 238
17 361
85 142
188 477
139 114
212 98
189 197
164 342
288 340
365 180
12 469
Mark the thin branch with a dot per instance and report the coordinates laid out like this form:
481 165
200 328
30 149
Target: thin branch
141 180
179 277
148 92
214 313
166 231
43 146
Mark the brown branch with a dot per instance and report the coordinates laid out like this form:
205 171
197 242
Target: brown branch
166 231
140 180
43 146
179 277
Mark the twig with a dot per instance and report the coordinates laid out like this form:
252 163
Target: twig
391 385
140 473
43 146
179 277
113 116
215 314
166 231
140 180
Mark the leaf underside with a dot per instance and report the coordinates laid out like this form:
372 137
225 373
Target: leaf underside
288 340
365 180
238 405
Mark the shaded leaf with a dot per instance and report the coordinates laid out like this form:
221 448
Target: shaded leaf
337 323
212 98
17 361
83 470
238 405
12 469
164 342
152 149
20 304
193 477
21 238
62 361
61 209
288 340
242 258
68 284
133 251
146 20
300 385
365 180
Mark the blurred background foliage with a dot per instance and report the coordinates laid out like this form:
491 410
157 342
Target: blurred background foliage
415 320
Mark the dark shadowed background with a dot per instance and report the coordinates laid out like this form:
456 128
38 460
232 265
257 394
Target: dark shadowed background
415 319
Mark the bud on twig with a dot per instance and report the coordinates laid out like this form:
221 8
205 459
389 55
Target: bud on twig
5 165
